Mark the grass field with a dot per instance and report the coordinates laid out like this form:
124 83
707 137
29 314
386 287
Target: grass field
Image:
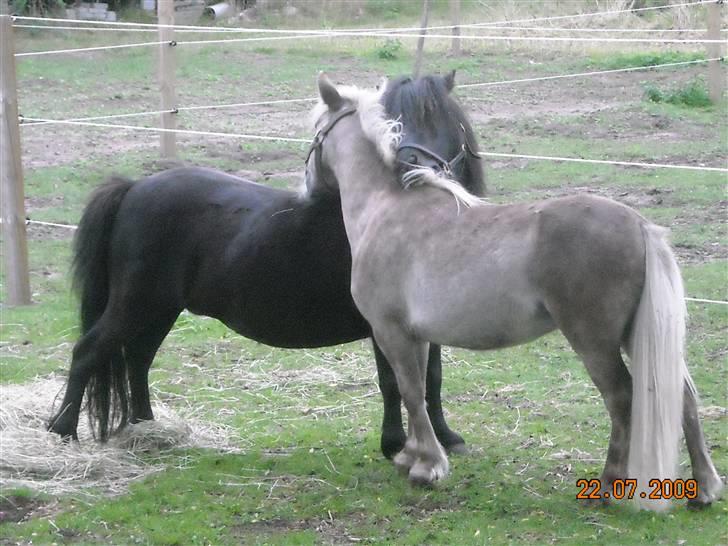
307 468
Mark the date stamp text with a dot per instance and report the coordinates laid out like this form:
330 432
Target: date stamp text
591 489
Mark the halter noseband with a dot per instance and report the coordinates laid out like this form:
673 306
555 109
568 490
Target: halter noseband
445 166
318 138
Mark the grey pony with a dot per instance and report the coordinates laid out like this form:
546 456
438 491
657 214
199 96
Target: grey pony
434 264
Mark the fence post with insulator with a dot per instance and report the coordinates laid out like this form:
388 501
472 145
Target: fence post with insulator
421 39
12 194
167 66
455 16
716 79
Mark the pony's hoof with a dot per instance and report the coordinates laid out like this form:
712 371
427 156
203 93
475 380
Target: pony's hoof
65 434
392 444
424 474
457 449
403 461
452 442
596 503
698 504
709 491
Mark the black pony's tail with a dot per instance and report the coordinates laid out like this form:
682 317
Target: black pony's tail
107 391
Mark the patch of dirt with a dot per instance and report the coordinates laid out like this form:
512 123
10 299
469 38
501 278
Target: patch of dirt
564 97
511 396
618 123
14 508
330 530
248 158
603 107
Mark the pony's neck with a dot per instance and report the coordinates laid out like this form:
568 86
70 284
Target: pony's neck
362 181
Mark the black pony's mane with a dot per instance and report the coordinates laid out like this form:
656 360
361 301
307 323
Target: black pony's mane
426 102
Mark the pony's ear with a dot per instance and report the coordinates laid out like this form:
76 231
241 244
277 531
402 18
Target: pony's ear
450 81
328 92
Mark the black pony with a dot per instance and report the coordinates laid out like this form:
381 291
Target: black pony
271 264
436 132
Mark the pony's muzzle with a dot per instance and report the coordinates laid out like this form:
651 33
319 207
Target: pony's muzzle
408 159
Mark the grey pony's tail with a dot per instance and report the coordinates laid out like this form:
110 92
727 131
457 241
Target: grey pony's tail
659 375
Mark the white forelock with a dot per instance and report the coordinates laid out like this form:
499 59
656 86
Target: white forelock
384 133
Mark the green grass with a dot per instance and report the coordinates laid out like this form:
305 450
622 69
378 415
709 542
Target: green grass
199 509
311 471
694 94
612 60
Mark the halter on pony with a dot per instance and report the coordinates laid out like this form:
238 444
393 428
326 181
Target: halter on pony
318 138
446 167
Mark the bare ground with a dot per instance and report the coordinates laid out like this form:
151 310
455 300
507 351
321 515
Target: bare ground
601 108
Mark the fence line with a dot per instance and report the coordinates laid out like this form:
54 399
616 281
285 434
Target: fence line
80 49
153 30
24 120
307 141
28 221
242 104
230 30
73 227
477 37
396 35
584 74
172 111
702 300
606 30
400 29
183 131
606 162
600 13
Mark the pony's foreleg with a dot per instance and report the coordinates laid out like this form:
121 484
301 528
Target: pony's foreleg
709 483
450 440
423 456
393 436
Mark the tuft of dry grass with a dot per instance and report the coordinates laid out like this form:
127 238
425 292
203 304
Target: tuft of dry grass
33 458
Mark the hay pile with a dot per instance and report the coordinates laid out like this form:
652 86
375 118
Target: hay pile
33 458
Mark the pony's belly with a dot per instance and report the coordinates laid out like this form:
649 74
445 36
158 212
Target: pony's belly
483 323
290 322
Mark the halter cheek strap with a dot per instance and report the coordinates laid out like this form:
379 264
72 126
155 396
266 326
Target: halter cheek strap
320 135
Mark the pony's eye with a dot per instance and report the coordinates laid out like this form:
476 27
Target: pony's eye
413 159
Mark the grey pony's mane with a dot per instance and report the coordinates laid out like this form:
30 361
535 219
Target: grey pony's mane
386 135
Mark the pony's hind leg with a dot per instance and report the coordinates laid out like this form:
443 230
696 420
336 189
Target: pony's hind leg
450 440
709 483
422 457
610 375
96 348
139 355
393 436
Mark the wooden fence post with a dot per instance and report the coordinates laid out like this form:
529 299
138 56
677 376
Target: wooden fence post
12 195
716 80
455 16
167 66
421 39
